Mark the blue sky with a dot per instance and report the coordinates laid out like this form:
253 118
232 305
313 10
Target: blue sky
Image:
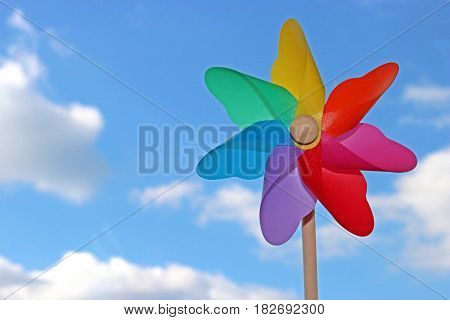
68 168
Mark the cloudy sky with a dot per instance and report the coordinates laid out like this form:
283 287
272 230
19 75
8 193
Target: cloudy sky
72 98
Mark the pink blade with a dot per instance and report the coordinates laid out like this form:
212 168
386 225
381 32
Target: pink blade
285 200
366 148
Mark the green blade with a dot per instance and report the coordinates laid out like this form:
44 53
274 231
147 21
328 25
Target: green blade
248 99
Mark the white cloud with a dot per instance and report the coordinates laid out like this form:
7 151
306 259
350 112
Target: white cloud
11 274
20 70
171 194
88 116
16 20
45 144
83 276
438 122
421 204
434 101
429 94
233 202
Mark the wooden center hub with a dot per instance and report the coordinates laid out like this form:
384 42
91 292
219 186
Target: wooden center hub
304 129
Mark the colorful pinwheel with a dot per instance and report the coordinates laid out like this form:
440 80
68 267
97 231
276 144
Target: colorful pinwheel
310 149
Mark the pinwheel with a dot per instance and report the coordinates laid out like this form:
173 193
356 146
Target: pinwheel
306 148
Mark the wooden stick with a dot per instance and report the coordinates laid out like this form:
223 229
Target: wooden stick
309 257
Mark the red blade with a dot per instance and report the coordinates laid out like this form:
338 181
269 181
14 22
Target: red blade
350 101
342 193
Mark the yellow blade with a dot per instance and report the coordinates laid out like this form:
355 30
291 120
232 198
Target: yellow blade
295 70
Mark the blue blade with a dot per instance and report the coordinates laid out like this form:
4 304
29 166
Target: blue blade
244 155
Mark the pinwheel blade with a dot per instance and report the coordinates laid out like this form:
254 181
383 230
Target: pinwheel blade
295 70
350 101
245 154
248 99
366 148
342 193
286 200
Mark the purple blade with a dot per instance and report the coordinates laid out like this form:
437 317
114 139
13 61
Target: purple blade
286 199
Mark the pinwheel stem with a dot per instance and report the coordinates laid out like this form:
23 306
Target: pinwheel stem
309 257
